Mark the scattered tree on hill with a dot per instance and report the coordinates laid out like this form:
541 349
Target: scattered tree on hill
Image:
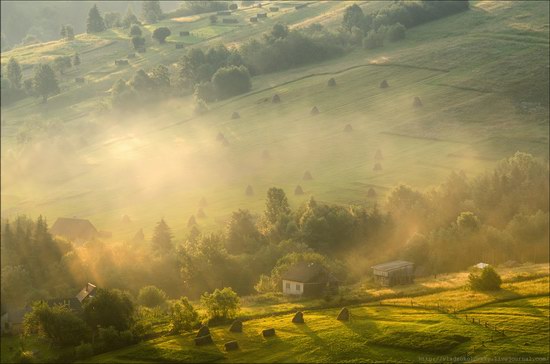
276 204
44 81
109 307
151 296
353 17
138 42
76 60
70 32
279 31
62 63
160 34
130 18
162 236
152 12
57 323
122 95
183 316
112 20
160 77
135 30
14 74
231 81
221 304
95 23
488 280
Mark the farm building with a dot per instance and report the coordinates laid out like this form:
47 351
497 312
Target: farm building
392 273
86 292
481 265
74 229
308 279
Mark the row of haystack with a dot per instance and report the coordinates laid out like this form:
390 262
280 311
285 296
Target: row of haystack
384 84
204 336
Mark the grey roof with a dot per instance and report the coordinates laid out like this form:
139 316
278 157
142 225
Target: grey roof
71 228
396 264
87 291
307 273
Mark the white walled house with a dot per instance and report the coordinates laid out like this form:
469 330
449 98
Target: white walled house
309 279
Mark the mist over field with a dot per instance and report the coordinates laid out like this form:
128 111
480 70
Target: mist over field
368 179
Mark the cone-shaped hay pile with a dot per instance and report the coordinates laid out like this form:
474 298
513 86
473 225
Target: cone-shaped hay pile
268 332
314 111
298 190
348 128
203 331
192 222
249 191
371 193
417 102
331 82
275 99
203 203
377 167
378 155
225 142
231 345
126 219
343 315
298 318
265 155
384 84
307 176
204 340
235 115
236 326
201 214
220 137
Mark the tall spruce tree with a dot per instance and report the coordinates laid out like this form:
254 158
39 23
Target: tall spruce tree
14 73
162 237
95 23
45 83
152 12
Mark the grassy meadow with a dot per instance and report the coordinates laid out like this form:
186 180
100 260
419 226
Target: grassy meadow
476 74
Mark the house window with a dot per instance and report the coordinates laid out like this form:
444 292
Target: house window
298 287
287 285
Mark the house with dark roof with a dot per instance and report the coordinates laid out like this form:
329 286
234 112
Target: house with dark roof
74 229
308 279
393 273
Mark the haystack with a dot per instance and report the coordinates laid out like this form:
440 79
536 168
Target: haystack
384 84
268 332
377 167
235 115
225 142
203 331
249 191
371 193
314 111
331 82
348 128
266 155
298 318
275 99
298 190
307 176
192 221
220 137
231 345
378 155
203 340
203 203
236 326
201 214
417 102
343 315
126 219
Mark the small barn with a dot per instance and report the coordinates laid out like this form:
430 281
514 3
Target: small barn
393 273
308 279
74 229
86 292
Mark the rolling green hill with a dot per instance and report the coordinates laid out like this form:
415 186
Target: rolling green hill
482 76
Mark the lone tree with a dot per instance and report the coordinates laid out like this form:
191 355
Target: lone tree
135 30
152 12
160 34
489 280
183 316
76 60
353 17
276 204
221 304
95 23
44 81
162 237
14 73
138 42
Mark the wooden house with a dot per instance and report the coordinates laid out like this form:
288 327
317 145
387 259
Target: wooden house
393 273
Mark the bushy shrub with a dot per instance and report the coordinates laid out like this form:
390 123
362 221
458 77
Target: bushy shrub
183 316
221 304
489 280
231 81
151 296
